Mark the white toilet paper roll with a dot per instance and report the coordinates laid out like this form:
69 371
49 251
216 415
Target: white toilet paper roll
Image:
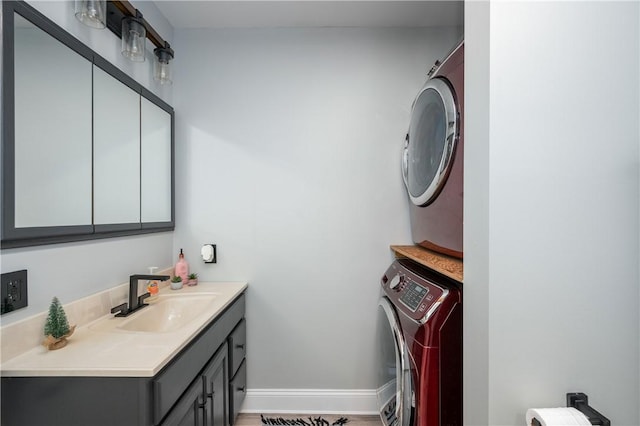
562 416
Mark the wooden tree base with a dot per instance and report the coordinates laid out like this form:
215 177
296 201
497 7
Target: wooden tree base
53 343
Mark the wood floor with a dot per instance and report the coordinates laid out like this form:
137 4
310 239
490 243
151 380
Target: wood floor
254 419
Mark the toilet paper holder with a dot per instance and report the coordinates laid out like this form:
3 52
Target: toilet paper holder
580 402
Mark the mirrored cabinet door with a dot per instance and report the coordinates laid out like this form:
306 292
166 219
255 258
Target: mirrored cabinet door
52 168
156 163
116 151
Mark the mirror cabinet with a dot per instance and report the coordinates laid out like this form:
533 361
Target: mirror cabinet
87 152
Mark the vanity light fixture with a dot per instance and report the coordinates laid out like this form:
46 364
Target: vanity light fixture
92 13
127 22
134 36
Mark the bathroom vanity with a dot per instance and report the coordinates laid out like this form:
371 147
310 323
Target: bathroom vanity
146 369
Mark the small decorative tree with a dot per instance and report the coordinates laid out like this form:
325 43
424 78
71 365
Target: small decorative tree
56 328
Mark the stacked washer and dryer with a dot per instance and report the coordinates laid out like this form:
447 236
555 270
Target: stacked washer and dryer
420 311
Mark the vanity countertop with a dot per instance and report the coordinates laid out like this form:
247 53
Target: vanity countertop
109 352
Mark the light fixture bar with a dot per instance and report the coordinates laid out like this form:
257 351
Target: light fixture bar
124 7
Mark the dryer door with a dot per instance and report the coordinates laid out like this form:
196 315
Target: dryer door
431 142
395 386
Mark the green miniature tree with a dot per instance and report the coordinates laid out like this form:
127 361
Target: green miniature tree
56 324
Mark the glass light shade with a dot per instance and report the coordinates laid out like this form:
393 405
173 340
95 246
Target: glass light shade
133 39
161 67
162 72
92 13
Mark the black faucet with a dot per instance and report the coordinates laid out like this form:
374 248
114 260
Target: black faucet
135 302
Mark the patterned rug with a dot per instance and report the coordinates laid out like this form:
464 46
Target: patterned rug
308 421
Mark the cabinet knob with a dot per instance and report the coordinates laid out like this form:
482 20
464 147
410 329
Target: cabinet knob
240 389
240 346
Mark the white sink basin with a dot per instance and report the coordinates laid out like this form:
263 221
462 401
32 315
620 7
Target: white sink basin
169 313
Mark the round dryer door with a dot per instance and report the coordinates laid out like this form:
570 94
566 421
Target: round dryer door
395 386
431 142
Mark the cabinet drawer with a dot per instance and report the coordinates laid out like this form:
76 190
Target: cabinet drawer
170 383
237 347
237 392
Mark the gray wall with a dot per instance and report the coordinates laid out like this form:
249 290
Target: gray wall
558 304
288 157
74 270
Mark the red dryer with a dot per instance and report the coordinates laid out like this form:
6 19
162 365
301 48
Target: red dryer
432 161
420 333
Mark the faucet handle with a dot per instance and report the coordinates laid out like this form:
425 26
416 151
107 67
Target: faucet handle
142 297
120 309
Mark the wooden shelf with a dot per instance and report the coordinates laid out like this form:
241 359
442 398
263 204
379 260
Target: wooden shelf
446 265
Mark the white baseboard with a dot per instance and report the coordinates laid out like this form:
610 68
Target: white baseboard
311 401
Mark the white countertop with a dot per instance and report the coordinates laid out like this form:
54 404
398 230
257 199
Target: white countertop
109 352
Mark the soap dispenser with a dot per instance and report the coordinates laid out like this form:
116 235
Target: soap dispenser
182 268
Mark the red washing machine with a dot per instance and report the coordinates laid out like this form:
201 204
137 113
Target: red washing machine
420 332
432 161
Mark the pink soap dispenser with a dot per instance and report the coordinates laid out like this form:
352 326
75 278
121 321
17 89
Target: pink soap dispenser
182 268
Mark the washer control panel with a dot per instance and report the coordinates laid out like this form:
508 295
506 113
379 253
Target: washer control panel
414 294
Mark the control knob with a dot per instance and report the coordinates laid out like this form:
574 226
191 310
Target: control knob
396 281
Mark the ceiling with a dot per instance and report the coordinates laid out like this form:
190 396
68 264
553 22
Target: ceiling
310 13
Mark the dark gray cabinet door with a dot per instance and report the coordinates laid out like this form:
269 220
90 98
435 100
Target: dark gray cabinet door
215 389
205 402
189 411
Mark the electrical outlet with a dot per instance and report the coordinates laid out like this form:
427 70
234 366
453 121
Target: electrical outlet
13 289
